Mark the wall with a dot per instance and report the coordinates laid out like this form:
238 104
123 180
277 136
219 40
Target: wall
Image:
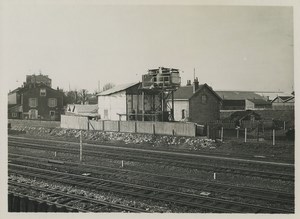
12 98
114 103
74 122
35 123
180 105
202 113
249 105
164 128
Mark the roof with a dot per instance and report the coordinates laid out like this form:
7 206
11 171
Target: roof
87 108
240 115
283 98
186 92
117 88
238 95
16 108
260 102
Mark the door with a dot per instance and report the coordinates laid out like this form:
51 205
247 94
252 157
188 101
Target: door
33 114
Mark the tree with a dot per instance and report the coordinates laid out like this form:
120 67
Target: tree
83 96
108 86
71 97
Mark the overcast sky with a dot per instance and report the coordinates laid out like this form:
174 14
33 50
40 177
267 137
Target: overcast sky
231 47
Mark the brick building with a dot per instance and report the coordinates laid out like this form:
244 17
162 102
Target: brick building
196 103
35 100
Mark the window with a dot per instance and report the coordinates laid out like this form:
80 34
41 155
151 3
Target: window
204 99
33 102
52 102
52 113
105 113
14 115
43 92
183 114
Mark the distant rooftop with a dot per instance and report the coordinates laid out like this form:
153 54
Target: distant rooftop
238 95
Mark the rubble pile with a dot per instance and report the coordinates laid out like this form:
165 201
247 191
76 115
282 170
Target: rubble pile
168 142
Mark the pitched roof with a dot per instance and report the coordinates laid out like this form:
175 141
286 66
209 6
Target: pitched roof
16 108
238 95
240 115
87 108
186 92
282 98
260 101
117 88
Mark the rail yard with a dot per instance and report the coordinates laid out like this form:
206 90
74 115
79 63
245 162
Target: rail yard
49 174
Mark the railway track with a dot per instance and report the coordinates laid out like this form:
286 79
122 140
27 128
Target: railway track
244 158
282 172
214 188
67 200
145 192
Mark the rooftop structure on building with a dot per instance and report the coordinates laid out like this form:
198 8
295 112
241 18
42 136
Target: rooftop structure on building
38 79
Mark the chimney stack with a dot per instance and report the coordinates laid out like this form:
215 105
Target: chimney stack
195 85
188 83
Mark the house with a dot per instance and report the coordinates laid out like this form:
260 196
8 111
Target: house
257 104
283 102
236 100
196 103
88 110
35 100
127 102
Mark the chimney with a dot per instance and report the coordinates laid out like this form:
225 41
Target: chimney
188 83
195 85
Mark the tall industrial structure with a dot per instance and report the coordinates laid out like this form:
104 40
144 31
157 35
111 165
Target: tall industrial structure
161 82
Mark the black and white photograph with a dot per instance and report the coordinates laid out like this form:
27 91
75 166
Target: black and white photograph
139 108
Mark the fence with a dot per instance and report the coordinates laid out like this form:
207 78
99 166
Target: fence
264 129
164 128
34 123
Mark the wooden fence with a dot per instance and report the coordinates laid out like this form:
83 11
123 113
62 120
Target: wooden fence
163 128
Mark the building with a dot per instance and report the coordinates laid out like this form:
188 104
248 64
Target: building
257 104
35 100
283 102
88 110
196 103
236 100
127 102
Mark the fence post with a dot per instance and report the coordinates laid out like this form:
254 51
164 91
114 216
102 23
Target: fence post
173 132
222 133
273 136
283 125
207 131
80 142
103 125
237 132
135 127
153 128
245 135
119 126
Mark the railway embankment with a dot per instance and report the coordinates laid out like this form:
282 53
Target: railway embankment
283 150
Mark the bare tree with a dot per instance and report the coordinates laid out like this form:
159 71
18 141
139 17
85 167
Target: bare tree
108 86
83 96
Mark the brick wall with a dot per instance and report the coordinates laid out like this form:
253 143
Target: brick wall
204 112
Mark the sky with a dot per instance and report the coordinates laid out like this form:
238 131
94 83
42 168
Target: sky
79 45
